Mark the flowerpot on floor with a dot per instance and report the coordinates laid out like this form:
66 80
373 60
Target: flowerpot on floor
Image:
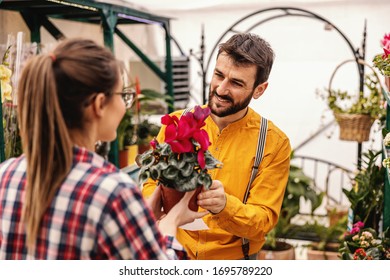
170 197
387 82
283 251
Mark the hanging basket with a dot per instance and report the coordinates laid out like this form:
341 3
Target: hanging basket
354 127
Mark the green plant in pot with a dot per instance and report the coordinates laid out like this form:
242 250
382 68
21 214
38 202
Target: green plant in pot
382 61
367 194
356 112
299 186
146 131
125 131
328 239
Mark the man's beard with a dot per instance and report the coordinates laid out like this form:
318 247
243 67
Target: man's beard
234 108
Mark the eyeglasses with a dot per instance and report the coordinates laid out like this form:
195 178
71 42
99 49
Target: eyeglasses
128 96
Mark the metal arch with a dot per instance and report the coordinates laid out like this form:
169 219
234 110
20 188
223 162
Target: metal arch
287 12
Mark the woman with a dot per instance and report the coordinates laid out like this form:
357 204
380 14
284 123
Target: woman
60 200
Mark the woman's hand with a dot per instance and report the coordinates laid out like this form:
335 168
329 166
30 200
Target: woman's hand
155 203
179 215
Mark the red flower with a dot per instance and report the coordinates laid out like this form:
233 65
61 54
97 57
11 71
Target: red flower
179 133
386 52
359 254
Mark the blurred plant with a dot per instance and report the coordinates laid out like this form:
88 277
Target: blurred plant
343 102
367 194
364 244
299 186
12 142
382 61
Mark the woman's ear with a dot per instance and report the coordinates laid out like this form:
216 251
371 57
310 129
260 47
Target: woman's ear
260 90
98 105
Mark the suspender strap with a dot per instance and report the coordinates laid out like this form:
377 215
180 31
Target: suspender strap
185 111
255 168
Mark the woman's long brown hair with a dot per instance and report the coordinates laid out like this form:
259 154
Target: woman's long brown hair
53 92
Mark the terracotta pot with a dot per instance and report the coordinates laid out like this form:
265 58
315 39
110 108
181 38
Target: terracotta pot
143 148
171 196
283 251
330 253
123 158
387 82
322 255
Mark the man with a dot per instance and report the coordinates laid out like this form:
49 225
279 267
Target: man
241 73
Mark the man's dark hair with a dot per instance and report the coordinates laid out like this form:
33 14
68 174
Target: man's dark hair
247 49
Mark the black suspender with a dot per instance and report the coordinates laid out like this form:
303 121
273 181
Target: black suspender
255 168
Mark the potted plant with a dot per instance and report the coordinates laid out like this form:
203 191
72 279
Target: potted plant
355 114
180 164
146 131
329 239
126 138
382 61
364 243
299 186
367 194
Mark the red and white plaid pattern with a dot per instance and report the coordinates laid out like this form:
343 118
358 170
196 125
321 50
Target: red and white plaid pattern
97 213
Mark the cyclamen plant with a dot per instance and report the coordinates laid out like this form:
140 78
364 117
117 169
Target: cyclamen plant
182 161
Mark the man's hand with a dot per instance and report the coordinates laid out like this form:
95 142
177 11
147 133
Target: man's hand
213 199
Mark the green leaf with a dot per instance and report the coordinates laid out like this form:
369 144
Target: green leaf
170 173
187 169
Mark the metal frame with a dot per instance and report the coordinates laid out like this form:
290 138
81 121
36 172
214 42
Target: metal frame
37 14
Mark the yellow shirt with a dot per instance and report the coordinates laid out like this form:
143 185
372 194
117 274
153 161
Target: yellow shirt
235 146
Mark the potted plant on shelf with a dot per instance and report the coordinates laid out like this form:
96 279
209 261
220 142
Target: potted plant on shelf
382 61
180 164
146 131
355 114
126 138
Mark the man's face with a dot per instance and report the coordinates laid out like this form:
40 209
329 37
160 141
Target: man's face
231 87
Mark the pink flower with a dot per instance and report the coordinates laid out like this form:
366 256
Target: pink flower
154 143
385 42
359 225
386 51
179 133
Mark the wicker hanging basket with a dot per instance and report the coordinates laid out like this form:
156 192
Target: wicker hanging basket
354 127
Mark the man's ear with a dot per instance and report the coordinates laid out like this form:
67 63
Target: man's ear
98 104
260 90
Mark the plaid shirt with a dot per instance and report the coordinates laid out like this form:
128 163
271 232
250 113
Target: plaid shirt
97 213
